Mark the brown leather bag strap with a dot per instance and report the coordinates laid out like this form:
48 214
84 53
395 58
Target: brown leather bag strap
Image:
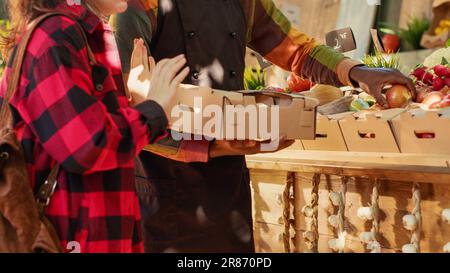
5 113
47 189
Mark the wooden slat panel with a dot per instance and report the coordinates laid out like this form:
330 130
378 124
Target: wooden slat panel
360 17
395 202
316 17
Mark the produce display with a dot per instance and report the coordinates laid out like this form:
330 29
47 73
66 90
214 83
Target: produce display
433 82
350 119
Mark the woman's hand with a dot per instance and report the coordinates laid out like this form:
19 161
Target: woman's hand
166 78
141 68
159 82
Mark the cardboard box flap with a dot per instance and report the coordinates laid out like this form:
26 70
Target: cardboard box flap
384 114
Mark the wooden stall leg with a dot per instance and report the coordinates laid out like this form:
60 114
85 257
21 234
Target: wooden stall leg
413 222
311 211
338 221
370 239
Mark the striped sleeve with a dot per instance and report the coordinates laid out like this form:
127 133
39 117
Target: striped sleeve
272 35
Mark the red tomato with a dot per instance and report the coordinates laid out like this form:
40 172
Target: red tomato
298 84
391 43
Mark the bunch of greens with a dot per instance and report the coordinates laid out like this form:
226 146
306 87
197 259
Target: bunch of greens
254 79
380 60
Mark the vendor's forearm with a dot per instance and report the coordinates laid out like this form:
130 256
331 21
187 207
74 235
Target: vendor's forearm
273 36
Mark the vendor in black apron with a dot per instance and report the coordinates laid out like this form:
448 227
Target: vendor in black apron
195 195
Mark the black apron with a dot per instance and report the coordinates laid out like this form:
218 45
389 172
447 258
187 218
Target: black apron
199 207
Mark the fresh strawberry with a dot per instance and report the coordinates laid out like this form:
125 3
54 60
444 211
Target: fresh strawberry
438 84
441 71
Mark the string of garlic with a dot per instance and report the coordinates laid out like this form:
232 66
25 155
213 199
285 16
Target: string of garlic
446 219
287 197
413 222
311 235
338 221
371 214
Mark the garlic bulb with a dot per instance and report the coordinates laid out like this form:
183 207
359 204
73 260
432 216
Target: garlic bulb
309 236
374 247
335 198
280 237
333 221
308 211
339 243
366 237
409 248
447 248
365 213
410 222
446 216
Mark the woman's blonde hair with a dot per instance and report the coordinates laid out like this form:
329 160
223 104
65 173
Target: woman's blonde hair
20 14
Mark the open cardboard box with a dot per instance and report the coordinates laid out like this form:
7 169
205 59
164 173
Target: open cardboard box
230 115
328 136
370 132
424 132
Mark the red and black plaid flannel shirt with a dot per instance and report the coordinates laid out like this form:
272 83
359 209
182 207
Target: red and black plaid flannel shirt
70 113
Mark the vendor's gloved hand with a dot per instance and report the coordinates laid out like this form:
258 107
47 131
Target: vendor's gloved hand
373 80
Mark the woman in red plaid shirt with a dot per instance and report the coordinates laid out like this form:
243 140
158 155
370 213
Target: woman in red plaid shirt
70 113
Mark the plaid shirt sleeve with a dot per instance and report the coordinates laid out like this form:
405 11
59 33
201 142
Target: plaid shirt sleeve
59 104
137 22
272 35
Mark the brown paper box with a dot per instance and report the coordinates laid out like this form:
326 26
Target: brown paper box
328 137
409 127
297 114
368 134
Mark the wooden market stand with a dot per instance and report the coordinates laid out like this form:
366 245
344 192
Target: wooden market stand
293 193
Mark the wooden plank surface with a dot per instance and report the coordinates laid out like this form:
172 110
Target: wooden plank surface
417 8
298 161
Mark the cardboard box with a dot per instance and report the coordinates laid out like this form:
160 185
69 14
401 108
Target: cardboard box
328 137
243 115
423 132
370 132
